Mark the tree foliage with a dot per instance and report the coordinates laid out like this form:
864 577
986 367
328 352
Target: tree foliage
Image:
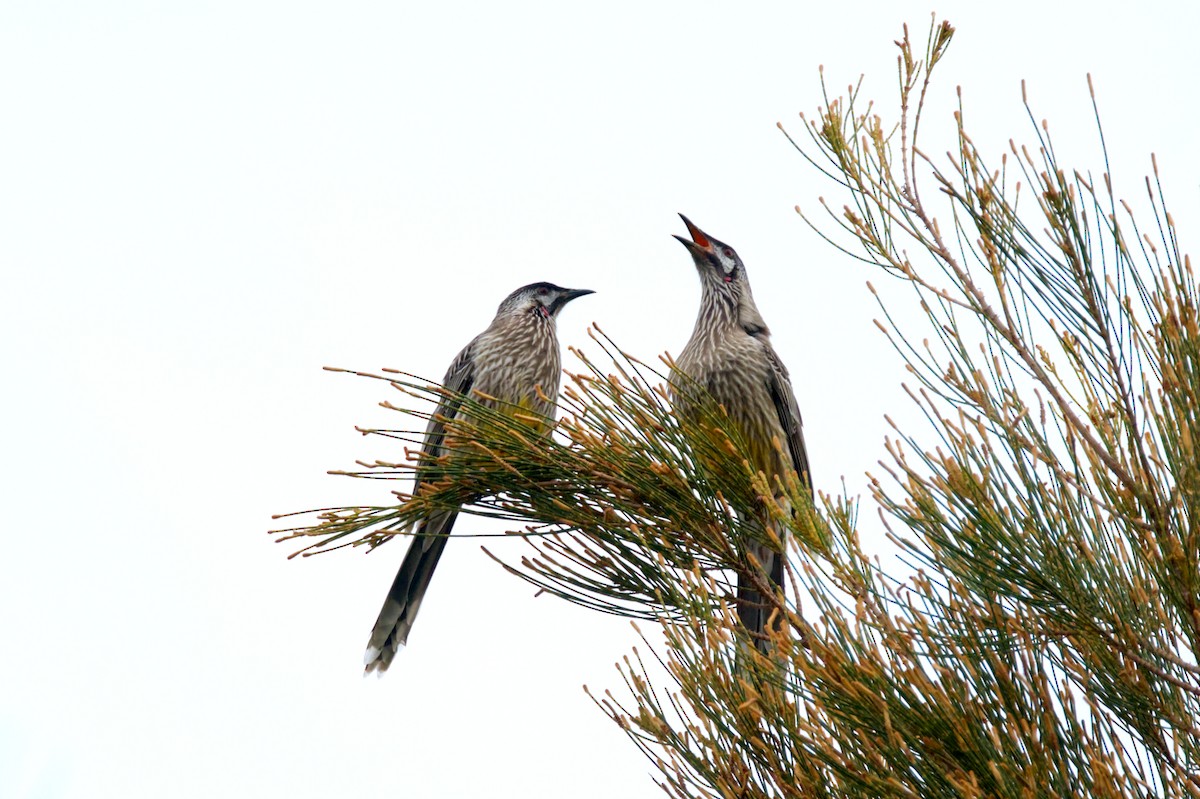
1046 641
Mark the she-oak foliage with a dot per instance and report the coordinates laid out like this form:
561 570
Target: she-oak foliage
1047 642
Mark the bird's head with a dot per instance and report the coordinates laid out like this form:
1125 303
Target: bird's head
724 281
719 266
544 300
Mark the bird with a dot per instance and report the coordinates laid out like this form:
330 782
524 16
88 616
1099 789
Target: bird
513 364
730 356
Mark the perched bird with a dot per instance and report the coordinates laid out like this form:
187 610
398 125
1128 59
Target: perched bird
730 355
515 363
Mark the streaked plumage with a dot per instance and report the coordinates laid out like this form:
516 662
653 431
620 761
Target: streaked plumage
508 363
730 355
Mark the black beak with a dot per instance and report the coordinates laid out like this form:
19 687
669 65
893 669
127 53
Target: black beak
699 243
566 296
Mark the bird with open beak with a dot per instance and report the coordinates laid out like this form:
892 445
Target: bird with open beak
730 356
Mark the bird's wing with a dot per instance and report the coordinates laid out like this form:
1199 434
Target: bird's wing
780 387
459 379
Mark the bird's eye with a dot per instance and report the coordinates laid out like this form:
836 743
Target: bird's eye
728 253
543 291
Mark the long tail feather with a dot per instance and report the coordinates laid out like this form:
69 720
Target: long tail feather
408 589
754 609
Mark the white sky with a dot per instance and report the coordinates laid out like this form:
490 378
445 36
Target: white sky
202 204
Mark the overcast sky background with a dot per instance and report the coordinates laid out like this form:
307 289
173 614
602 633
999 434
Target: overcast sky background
202 204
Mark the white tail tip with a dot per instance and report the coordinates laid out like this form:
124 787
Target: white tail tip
374 661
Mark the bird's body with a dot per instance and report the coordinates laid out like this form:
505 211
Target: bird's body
737 369
513 365
730 356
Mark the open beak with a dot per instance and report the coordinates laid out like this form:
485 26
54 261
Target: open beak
699 242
